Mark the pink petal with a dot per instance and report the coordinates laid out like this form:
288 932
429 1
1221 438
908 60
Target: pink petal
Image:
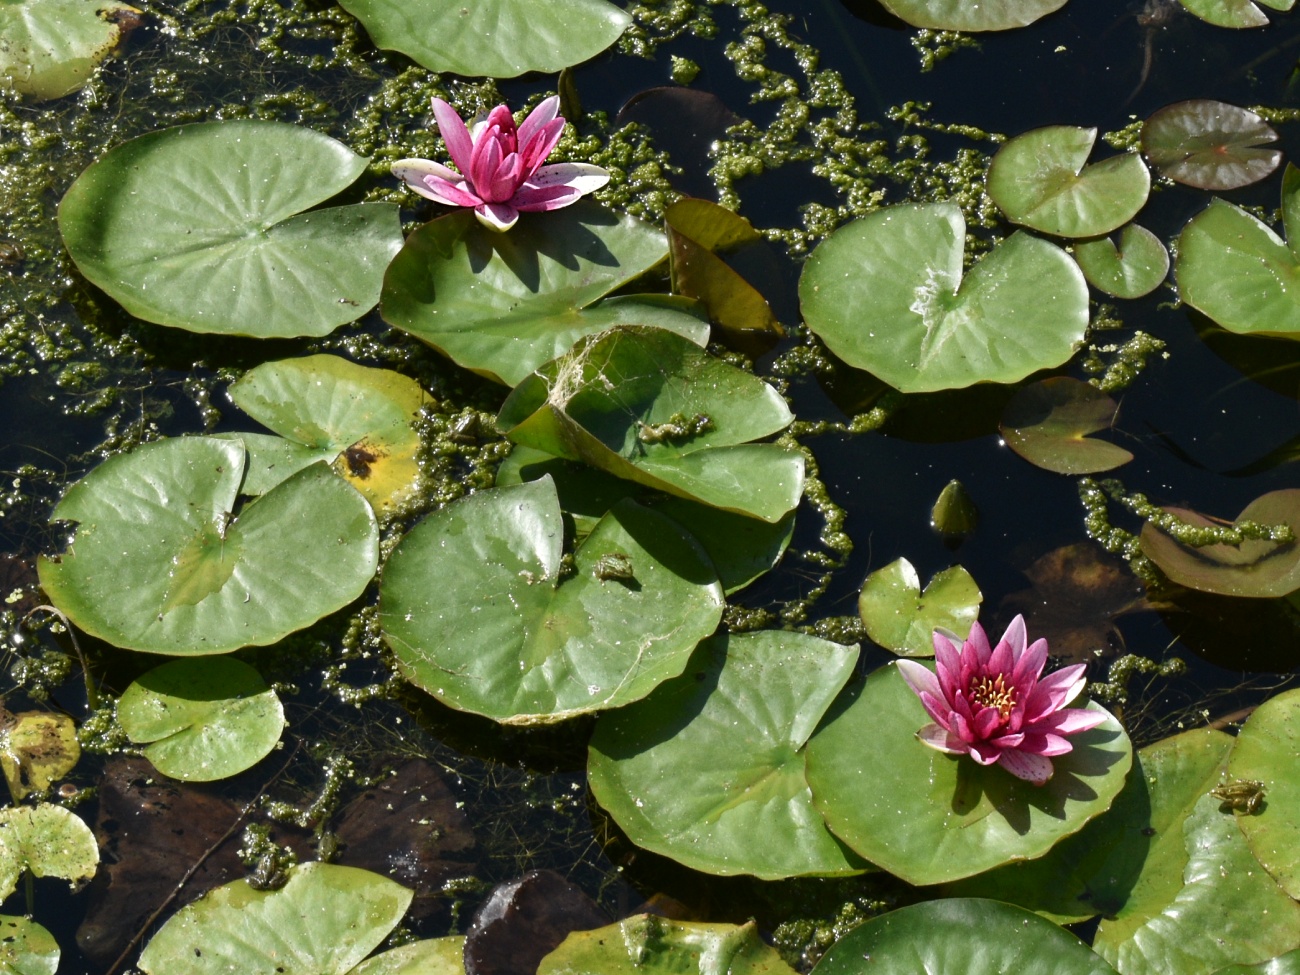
1030 665
452 194
919 678
540 192
1069 721
978 645
1007 741
1049 745
1002 661
1014 637
986 753
947 659
1054 691
505 180
987 721
1032 768
459 144
536 151
496 216
937 709
942 740
485 162
411 170
960 727
538 119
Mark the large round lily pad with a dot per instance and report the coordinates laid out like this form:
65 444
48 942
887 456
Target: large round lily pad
324 921
1040 180
1257 568
208 227
963 15
966 935
1048 424
497 38
202 719
929 817
1130 270
902 618
651 945
732 730
504 304
49 48
164 561
1209 144
646 405
478 613
886 294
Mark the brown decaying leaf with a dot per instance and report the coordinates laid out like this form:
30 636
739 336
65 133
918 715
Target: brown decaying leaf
524 920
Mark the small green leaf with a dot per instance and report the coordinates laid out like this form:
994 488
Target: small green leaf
652 945
902 618
1047 423
26 948
955 514
1133 269
48 840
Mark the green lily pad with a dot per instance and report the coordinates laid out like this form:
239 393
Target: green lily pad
1259 569
202 719
435 956
1288 964
902 618
48 840
49 48
37 748
652 945
886 294
732 730
1133 269
477 612
26 948
356 418
1234 13
1047 423
1268 751
960 935
1237 271
929 817
496 38
163 562
207 227
1039 180
1210 145
965 16
648 406
324 921
504 304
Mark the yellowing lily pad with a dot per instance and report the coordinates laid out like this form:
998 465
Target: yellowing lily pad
1047 423
50 48
37 748
651 945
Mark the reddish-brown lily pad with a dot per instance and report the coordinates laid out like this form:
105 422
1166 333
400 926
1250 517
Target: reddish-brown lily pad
1210 145
1256 568
1048 424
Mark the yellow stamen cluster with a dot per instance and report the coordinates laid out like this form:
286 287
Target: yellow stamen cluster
993 692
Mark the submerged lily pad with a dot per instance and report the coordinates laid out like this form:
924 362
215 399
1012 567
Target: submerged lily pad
26 948
1210 145
497 38
963 15
1255 568
1133 269
37 748
960 935
324 921
1048 423
1040 180
504 304
478 613
1237 271
356 418
929 817
651 945
1234 13
902 618
163 562
207 227
732 730
886 293
48 840
50 48
202 719
647 405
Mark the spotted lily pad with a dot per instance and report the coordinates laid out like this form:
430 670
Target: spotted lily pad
902 618
50 48
329 409
37 748
324 921
1133 269
26 948
48 840
478 612
886 293
497 38
504 304
1257 568
963 15
1048 424
1210 145
1234 13
651 945
929 817
436 956
202 719
1236 270
732 729
648 406
208 227
1040 180
164 560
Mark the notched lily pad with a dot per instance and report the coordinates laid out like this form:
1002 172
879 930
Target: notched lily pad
1048 423
48 840
1040 180
50 48
208 227
436 956
963 15
1210 145
1255 568
887 294
1130 270
651 945
902 618
1234 13
37 748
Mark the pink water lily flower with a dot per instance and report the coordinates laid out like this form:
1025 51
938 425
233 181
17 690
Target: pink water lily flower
991 704
501 172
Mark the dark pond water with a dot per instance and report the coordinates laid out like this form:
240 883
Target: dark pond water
1198 419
